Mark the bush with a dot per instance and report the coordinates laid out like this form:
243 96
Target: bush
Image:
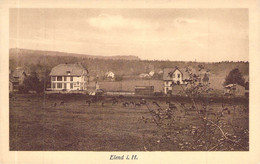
22 89
33 83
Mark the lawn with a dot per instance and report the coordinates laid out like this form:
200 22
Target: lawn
36 123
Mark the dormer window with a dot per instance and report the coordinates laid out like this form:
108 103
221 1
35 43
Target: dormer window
68 72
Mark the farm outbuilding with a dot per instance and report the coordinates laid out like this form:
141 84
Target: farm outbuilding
109 76
234 89
144 90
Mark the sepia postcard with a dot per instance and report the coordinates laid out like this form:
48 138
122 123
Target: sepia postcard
132 81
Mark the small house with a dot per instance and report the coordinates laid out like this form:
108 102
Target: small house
144 75
151 73
109 75
235 90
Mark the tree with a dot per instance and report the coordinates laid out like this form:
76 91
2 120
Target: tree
205 78
235 77
32 83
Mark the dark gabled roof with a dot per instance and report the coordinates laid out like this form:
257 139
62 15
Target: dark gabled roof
167 71
69 70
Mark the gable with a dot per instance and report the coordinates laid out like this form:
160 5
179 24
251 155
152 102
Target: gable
168 73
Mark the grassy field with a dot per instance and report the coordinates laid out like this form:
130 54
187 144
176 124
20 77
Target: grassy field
37 124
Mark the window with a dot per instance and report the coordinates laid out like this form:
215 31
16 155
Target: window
53 85
71 78
65 85
77 82
59 85
179 75
65 78
173 75
71 85
53 78
59 78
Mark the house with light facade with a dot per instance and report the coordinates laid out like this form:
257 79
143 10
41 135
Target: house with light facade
110 74
69 77
173 76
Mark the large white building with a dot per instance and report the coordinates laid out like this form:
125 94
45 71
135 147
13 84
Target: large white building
172 76
69 77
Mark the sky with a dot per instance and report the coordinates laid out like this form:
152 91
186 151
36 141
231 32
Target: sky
207 35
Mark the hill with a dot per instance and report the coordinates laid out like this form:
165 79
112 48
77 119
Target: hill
29 53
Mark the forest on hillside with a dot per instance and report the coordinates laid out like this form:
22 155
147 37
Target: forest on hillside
42 64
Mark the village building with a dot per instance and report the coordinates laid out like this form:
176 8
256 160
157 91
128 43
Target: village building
70 77
160 72
234 90
109 75
151 73
144 75
171 77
